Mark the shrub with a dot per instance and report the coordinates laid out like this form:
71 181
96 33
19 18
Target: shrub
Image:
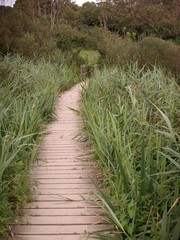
147 52
69 38
155 51
22 35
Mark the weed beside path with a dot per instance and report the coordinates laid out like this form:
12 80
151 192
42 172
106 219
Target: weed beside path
131 117
28 90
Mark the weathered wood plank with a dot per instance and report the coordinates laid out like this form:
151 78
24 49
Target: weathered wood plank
86 186
61 171
62 163
58 191
59 212
64 176
63 181
53 237
60 220
57 229
63 203
60 197
51 168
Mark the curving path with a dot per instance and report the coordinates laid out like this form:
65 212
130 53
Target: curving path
62 209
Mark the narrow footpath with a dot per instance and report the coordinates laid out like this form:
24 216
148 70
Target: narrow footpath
62 208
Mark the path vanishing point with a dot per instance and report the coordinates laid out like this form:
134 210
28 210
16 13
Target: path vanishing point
61 209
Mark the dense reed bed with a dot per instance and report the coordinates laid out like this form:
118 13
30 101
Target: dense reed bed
131 117
28 90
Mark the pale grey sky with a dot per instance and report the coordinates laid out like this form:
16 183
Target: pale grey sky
80 2
7 2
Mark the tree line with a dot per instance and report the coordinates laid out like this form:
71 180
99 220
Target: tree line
117 29
158 17
137 18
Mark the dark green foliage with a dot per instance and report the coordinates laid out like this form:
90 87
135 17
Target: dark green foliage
70 39
20 34
144 18
90 14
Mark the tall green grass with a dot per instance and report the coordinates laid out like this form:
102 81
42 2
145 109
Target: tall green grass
131 117
28 91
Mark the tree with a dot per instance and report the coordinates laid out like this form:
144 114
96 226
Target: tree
90 14
105 8
70 14
28 7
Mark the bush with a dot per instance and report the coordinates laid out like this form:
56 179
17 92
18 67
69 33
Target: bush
69 38
155 51
147 52
22 35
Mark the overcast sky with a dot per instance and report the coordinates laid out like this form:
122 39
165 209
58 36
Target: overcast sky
8 2
80 2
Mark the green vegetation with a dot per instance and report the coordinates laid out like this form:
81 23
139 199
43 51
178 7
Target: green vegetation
42 29
28 91
131 117
130 109
90 57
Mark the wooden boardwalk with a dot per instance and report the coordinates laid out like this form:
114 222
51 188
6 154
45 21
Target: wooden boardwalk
62 209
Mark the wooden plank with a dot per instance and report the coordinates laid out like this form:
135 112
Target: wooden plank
63 159
60 220
59 229
72 185
62 191
60 197
64 203
51 168
62 171
58 149
65 163
64 176
63 181
53 237
59 212
59 155
51 146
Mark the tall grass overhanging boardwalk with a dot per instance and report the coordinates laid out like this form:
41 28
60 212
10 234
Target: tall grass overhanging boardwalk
61 208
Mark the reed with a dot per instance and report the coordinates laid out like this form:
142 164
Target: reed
28 91
131 117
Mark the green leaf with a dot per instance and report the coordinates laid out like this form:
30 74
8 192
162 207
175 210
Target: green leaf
131 209
168 123
176 233
164 225
171 160
102 237
172 152
112 214
143 169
